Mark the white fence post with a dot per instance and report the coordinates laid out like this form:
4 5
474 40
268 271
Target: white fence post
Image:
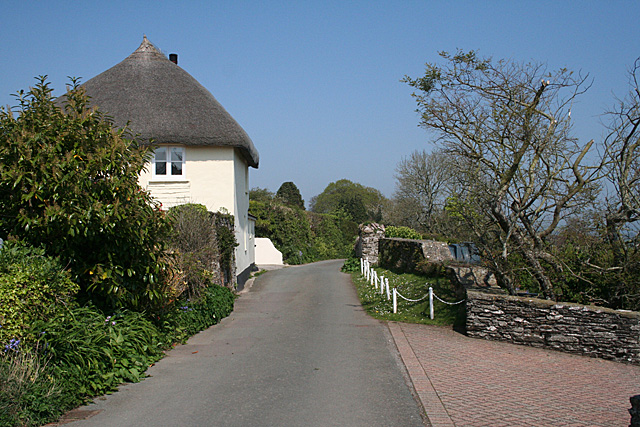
431 302
361 266
395 301
388 293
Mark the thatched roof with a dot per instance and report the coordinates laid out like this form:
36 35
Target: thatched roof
163 103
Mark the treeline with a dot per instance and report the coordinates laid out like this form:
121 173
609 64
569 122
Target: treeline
300 235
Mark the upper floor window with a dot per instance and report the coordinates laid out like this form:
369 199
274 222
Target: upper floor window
168 162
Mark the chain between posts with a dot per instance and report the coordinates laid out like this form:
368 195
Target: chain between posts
371 275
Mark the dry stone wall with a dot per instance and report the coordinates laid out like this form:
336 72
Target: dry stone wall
588 330
367 244
405 254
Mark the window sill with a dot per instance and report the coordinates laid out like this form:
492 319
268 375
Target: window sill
168 180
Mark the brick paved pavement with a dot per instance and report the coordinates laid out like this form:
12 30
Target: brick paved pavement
464 381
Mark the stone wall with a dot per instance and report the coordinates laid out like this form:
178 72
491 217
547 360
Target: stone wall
405 254
472 277
367 242
588 330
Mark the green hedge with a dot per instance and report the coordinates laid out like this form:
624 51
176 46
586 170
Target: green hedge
32 287
303 236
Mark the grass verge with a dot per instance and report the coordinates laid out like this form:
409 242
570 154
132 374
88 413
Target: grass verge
413 287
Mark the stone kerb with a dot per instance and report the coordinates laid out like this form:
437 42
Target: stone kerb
573 328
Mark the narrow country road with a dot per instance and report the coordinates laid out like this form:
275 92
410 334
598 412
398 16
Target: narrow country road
298 350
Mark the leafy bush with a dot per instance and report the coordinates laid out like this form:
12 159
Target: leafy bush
227 243
81 353
402 233
190 316
32 287
69 183
351 265
92 353
287 227
193 239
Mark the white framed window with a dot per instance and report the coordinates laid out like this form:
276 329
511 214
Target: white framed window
169 163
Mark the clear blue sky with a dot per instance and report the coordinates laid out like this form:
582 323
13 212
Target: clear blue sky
316 83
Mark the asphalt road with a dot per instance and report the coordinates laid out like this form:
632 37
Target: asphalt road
298 350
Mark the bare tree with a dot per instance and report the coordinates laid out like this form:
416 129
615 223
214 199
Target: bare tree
623 167
421 181
506 126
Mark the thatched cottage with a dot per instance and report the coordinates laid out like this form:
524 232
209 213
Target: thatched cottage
202 155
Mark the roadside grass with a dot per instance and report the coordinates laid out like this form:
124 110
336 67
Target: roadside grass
413 287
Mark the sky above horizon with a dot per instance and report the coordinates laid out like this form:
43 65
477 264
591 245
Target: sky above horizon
316 84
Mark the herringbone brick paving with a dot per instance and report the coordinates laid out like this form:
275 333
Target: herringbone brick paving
471 382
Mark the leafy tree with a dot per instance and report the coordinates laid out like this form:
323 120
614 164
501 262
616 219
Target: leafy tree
346 196
353 208
290 195
261 194
506 127
333 236
69 183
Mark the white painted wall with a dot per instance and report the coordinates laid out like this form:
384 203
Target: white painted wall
244 257
266 252
218 178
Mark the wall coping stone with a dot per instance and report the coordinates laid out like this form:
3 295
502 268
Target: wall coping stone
554 304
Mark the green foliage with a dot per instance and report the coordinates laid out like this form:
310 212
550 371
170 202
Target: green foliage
591 274
346 197
351 265
333 237
28 393
69 183
92 353
354 209
287 227
194 242
188 316
227 243
289 194
303 236
32 287
402 232
80 353
258 194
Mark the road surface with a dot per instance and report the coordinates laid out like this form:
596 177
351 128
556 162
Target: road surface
298 350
